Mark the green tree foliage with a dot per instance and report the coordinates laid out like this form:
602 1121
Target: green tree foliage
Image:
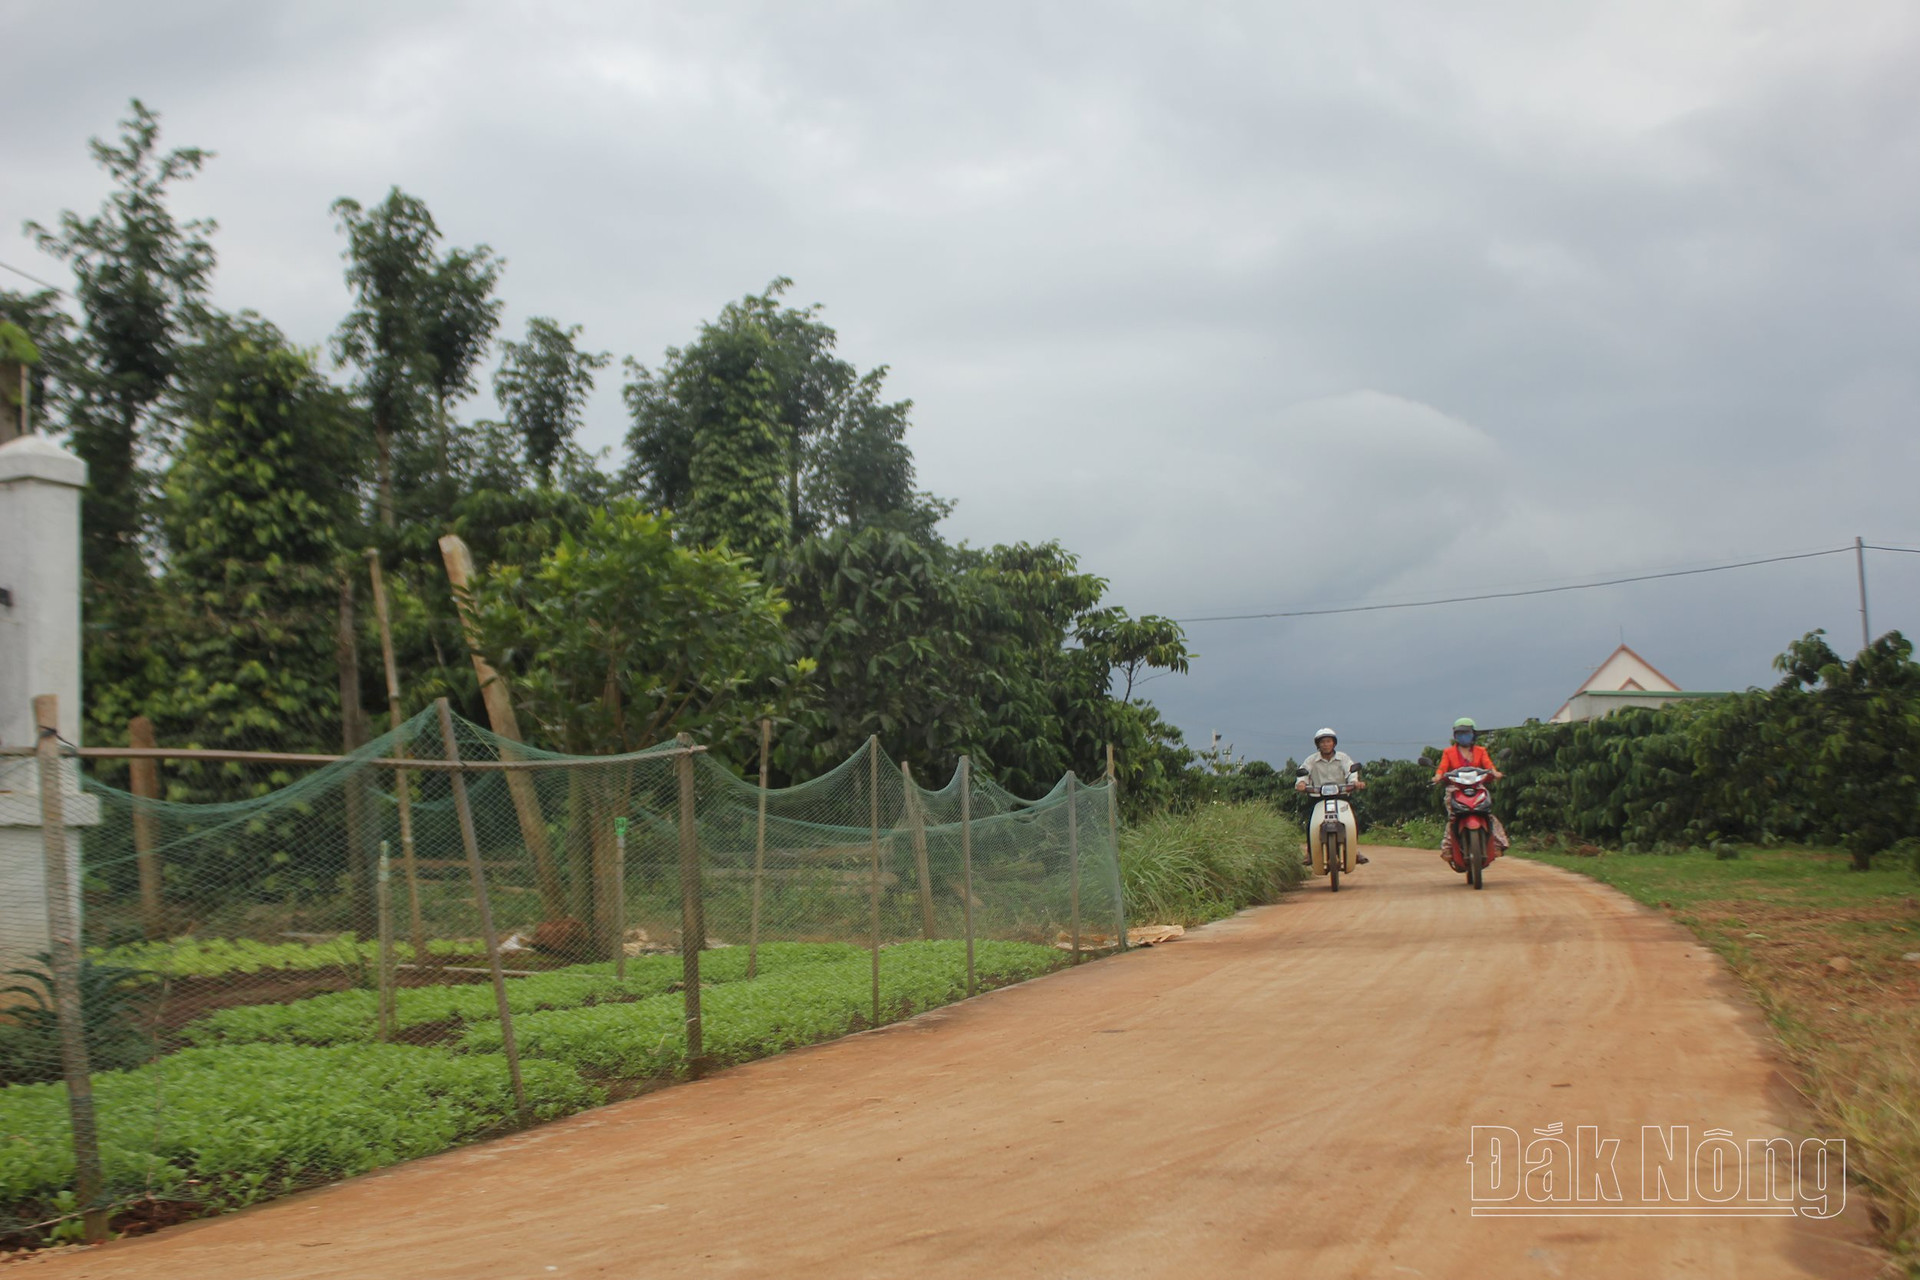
417 331
766 369
623 637
141 279
1004 655
47 356
257 506
543 385
1829 755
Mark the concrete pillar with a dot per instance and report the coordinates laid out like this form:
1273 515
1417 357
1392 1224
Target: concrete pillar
40 485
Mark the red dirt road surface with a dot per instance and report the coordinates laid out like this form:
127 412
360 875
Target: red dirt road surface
1288 1093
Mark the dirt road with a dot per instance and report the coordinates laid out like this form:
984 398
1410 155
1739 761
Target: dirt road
1289 1093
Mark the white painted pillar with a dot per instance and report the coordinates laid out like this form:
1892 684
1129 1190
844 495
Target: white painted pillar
40 485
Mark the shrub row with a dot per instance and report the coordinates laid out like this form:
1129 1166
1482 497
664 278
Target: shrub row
224 1127
1199 865
348 1017
744 1020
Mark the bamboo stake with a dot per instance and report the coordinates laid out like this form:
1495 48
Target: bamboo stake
966 858
759 851
493 688
146 785
917 826
620 899
873 882
402 788
465 813
63 937
1113 835
383 901
1073 857
693 922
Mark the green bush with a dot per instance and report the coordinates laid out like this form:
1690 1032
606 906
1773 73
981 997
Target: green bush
113 1000
744 1020
227 1126
1200 865
349 1017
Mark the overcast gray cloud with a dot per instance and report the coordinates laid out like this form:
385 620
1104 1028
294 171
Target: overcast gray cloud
1254 306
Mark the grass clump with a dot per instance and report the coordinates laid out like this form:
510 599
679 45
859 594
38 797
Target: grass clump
1201 864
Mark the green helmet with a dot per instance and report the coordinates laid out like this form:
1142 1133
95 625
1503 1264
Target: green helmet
1466 722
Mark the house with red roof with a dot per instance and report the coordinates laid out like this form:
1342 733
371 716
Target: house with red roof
1625 679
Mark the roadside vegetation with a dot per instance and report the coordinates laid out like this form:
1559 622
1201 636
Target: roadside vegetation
270 1098
1832 955
1195 865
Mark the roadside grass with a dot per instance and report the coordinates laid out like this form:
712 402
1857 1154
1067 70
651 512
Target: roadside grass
1189 867
1824 950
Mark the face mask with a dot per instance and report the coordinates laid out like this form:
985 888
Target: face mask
1463 739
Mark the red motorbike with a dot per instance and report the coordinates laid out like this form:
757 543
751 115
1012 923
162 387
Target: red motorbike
1470 821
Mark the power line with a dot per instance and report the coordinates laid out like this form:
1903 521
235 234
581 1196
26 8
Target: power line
36 279
1530 591
1912 551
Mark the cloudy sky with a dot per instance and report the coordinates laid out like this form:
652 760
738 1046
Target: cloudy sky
1255 306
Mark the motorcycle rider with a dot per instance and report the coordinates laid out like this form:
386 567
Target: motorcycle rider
1329 764
1464 752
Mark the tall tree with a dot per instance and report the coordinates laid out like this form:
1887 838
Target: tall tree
461 315
141 280
391 265
543 385
255 509
843 460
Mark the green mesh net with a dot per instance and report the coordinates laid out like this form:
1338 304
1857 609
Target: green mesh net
295 986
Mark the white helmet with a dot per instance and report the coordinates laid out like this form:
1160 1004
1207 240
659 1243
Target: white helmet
1326 733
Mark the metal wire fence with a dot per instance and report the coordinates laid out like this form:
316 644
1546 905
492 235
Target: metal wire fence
447 934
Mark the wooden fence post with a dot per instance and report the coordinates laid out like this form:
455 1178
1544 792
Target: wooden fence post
693 919
759 851
383 900
917 827
1073 858
63 937
402 788
464 812
146 785
620 899
966 858
1113 834
873 879
493 688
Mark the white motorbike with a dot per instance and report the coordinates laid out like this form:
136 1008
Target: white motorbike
1333 839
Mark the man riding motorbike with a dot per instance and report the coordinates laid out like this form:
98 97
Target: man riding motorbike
1464 752
1329 765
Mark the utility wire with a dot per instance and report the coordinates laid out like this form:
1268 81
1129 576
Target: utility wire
36 279
1912 551
1530 591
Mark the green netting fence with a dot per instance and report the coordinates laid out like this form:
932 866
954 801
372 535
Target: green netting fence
298 986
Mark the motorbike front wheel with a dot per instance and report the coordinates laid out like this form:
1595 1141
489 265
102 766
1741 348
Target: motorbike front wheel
1476 855
1336 854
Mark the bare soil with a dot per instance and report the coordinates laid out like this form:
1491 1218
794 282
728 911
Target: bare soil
1287 1093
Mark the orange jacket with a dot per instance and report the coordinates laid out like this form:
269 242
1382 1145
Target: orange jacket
1474 757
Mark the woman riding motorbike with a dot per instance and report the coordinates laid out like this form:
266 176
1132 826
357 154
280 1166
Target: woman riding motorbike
1464 752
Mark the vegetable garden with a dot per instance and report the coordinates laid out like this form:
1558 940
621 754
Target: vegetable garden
336 987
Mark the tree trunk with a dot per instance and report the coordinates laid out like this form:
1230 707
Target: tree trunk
383 449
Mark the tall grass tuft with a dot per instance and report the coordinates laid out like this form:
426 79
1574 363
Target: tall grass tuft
1191 867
